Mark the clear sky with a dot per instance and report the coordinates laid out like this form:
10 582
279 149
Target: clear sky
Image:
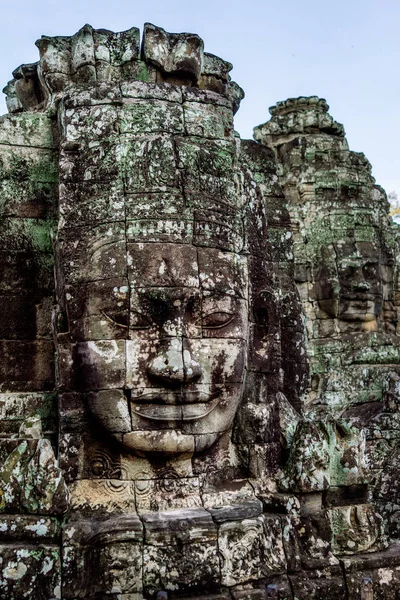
347 51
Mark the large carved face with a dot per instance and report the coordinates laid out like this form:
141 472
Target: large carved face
171 379
350 282
156 226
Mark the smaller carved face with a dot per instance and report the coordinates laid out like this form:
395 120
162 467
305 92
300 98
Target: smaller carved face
349 283
120 564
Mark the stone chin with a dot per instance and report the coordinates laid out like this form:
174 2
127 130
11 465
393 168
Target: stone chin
167 443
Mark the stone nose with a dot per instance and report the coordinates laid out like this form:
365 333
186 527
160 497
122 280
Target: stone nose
357 281
173 363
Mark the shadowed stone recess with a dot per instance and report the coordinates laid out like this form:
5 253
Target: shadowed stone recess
199 384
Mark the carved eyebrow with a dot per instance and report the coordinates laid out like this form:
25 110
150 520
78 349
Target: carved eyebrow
219 294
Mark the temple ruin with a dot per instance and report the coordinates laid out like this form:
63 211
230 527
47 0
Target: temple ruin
200 337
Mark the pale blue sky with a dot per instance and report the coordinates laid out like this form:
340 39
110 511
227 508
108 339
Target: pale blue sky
347 51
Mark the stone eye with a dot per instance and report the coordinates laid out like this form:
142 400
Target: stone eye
370 271
217 320
116 318
138 321
348 272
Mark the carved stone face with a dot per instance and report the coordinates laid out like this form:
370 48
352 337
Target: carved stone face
170 380
157 315
349 282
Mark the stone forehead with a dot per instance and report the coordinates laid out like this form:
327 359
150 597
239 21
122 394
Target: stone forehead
168 184
367 250
342 234
169 264
162 265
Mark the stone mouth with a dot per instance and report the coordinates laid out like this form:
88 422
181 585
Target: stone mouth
360 297
357 309
175 412
174 397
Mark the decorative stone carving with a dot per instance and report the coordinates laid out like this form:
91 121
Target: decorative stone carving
251 549
175 54
357 529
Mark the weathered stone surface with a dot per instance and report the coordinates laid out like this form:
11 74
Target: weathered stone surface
382 568
190 567
176 54
218 319
237 512
308 467
329 586
30 480
166 494
325 453
44 490
24 527
307 542
102 495
32 571
110 546
185 543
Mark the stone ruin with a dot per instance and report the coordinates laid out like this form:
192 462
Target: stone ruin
200 374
